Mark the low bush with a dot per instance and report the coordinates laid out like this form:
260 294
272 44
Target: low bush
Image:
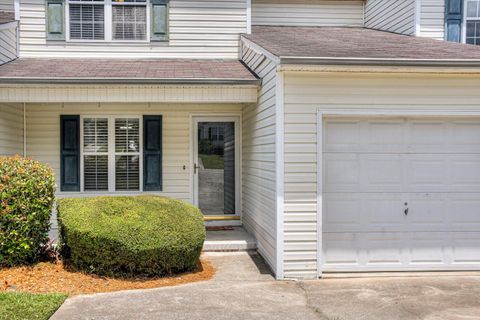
27 191
130 236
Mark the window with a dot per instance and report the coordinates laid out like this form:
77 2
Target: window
472 22
95 154
112 20
127 154
129 20
87 19
111 148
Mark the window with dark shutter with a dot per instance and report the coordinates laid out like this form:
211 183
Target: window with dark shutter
70 153
159 20
453 20
152 153
55 23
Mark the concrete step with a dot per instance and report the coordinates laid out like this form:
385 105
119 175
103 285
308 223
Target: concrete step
236 239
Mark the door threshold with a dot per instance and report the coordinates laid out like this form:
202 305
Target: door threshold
220 218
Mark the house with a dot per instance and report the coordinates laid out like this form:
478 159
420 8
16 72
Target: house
351 136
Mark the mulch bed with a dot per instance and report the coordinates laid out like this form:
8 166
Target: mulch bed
46 277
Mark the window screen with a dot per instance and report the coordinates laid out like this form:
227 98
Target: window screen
129 20
87 21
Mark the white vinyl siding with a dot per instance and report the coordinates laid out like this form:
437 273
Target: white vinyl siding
11 129
6 5
258 167
307 13
432 19
391 15
305 94
197 29
8 44
43 135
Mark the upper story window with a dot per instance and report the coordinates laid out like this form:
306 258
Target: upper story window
107 20
472 22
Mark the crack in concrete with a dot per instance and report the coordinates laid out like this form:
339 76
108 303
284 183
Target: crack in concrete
319 313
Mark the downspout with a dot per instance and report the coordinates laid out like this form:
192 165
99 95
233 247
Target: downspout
24 129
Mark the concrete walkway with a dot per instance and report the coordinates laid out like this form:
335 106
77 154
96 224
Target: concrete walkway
244 289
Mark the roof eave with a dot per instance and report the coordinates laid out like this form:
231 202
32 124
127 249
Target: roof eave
130 81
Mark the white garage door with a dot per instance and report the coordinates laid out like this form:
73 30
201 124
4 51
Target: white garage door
401 194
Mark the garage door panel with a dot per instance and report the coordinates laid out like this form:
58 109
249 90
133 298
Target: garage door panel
366 212
427 248
362 172
401 135
466 248
376 169
349 172
383 248
343 250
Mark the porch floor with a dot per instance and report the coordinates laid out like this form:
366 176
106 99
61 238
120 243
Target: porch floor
236 239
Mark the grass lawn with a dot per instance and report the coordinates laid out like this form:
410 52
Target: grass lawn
212 161
28 306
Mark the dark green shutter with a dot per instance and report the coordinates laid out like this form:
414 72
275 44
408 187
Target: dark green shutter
152 153
70 153
159 20
55 15
453 20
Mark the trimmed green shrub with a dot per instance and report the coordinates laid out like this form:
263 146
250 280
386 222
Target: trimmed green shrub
27 191
130 236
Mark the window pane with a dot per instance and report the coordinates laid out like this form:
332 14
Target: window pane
87 22
129 22
95 173
127 173
127 135
472 9
95 135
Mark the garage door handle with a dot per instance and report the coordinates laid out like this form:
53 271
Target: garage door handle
406 211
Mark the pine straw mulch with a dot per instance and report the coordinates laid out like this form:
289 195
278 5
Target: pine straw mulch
46 277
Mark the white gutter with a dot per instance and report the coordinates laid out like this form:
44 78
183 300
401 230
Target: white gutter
380 61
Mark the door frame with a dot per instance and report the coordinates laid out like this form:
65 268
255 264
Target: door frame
236 119
327 111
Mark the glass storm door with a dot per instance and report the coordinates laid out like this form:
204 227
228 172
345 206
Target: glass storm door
215 165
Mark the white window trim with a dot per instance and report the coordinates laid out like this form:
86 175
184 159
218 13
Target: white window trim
111 154
464 22
108 23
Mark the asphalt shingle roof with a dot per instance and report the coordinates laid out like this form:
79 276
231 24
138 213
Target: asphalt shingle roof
356 43
117 70
6 17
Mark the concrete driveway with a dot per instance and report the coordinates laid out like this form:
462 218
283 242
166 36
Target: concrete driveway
244 289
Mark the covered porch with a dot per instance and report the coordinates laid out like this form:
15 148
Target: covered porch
112 110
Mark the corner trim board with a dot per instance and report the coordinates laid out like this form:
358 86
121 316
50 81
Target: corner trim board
280 171
319 193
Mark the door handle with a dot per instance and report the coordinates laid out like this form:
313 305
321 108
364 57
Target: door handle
406 211
195 167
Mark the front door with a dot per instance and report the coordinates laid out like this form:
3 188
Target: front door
216 164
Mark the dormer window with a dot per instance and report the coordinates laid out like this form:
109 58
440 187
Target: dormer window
107 20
